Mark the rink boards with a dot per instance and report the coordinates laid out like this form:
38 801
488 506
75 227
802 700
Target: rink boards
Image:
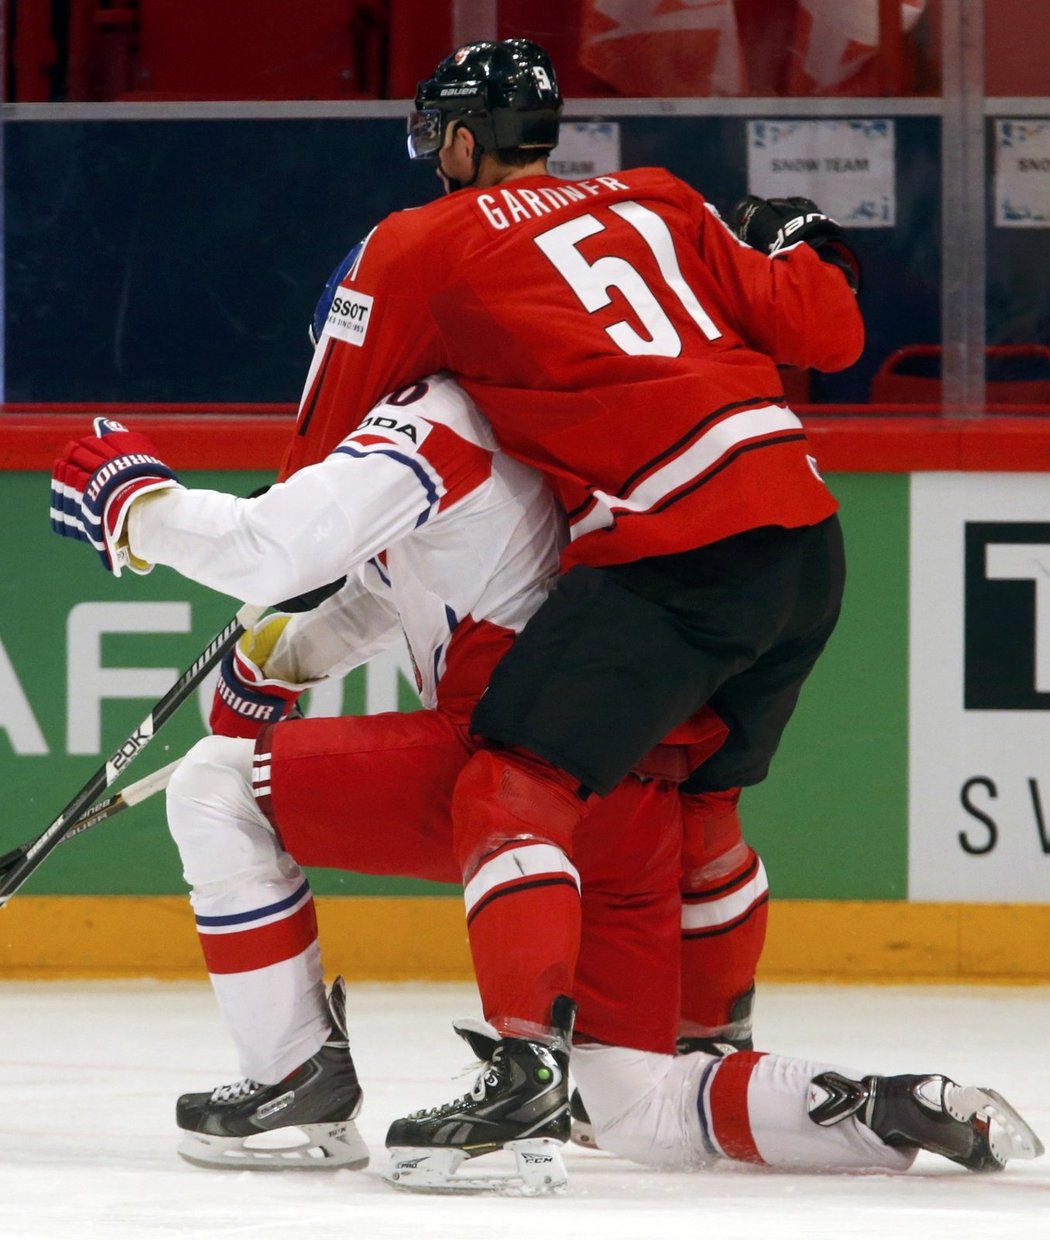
904 825
408 938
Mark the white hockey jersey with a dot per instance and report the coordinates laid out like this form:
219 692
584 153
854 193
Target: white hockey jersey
437 532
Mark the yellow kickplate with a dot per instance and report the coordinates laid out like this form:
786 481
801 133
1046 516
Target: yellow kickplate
401 938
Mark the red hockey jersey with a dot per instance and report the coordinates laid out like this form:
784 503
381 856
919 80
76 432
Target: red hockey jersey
616 335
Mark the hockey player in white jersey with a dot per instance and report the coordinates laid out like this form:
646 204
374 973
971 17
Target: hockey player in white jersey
442 536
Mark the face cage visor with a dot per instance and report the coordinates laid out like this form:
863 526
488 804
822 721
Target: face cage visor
426 133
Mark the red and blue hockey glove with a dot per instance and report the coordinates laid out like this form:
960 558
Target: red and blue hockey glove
774 223
94 483
245 697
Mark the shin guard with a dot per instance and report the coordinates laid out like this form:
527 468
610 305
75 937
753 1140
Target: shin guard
513 818
253 908
724 906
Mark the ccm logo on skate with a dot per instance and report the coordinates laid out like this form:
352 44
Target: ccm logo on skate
349 316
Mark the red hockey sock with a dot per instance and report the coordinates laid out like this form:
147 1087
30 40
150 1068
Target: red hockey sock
513 819
724 906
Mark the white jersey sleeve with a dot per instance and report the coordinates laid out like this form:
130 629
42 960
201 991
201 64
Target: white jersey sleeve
439 534
346 630
386 480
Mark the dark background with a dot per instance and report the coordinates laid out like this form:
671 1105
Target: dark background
173 260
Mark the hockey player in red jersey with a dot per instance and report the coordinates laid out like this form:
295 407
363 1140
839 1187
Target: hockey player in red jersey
440 534
446 540
623 340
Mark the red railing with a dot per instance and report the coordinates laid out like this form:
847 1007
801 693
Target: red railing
846 438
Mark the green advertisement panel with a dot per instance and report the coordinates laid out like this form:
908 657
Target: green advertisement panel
83 658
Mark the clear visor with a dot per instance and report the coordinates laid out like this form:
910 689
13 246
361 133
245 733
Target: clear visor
425 133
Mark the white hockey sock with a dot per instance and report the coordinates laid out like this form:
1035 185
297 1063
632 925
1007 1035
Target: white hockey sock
642 1104
752 1108
755 1108
254 911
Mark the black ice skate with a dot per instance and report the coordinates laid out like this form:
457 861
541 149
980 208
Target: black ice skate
519 1103
303 1123
972 1126
720 1041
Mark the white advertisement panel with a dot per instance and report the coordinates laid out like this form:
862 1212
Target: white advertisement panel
1022 174
586 149
845 166
979 685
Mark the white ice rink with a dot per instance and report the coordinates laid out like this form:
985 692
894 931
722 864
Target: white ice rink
92 1070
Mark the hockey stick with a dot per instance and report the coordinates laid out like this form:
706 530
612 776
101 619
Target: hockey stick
133 794
33 854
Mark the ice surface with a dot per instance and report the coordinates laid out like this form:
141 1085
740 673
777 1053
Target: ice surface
87 1134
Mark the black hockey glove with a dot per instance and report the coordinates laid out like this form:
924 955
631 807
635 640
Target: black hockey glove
771 224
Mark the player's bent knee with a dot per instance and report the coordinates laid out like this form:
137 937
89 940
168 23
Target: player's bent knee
642 1105
712 837
502 795
212 815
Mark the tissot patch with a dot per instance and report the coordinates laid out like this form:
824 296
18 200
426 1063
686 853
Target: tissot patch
349 315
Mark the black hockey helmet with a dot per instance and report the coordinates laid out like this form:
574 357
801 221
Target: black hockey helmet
505 93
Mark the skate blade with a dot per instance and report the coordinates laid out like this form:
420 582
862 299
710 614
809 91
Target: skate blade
1009 1136
539 1170
305 1147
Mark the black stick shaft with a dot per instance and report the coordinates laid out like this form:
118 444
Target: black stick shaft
101 811
35 852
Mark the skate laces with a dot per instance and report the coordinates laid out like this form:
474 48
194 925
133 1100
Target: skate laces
486 1079
235 1091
